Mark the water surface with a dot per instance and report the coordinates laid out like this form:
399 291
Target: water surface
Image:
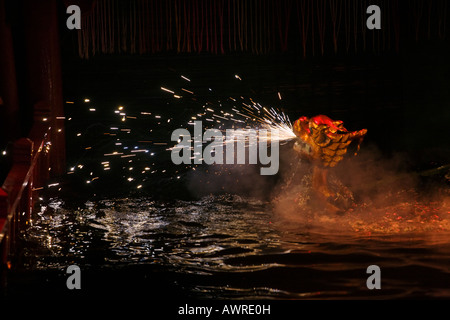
227 246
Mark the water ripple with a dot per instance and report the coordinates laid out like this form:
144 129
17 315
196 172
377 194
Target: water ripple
232 247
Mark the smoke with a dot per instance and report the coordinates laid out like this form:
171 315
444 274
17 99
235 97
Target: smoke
243 179
379 193
372 177
387 196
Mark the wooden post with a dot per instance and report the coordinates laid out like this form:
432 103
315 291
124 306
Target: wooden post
3 204
9 99
4 234
41 116
44 75
16 185
22 158
23 151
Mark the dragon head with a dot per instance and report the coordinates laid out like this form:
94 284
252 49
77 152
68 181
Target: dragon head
326 139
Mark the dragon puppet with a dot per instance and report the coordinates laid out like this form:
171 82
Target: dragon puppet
324 142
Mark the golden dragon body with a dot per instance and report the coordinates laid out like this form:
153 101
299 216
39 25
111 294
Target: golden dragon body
324 142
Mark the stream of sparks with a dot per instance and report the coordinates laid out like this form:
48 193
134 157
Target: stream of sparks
137 158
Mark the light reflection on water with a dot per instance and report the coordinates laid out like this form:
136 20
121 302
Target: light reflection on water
233 247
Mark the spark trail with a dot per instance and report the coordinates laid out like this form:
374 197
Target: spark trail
134 142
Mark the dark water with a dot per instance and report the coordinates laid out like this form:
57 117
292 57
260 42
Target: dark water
218 233
228 247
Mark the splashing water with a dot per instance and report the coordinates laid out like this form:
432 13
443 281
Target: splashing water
386 202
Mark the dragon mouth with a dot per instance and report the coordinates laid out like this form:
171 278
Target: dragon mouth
303 148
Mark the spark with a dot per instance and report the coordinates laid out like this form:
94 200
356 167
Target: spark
115 153
188 91
238 113
167 90
139 150
53 185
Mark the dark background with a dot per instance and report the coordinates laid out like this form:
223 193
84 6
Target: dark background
318 54
392 81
